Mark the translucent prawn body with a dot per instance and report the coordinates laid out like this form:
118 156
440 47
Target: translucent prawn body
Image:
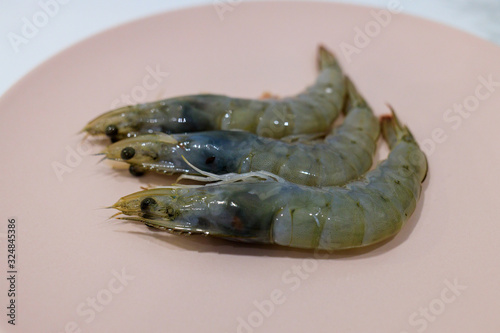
311 111
275 211
345 154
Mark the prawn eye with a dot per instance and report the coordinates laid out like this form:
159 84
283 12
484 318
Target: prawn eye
128 153
111 131
146 203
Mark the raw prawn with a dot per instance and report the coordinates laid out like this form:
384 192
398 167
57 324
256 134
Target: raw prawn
312 111
344 155
275 211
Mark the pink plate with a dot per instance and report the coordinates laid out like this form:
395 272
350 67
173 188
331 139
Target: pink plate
79 272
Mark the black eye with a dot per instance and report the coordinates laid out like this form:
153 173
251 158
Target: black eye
128 153
111 131
210 160
146 203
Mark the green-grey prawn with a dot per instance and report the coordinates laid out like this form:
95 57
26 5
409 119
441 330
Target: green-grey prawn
312 111
345 154
360 213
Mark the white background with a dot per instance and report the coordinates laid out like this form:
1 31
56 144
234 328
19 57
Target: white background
77 19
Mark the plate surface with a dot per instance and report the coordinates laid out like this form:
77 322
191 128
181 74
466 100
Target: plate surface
79 271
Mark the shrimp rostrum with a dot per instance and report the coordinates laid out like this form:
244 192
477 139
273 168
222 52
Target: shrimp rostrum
311 111
360 213
345 154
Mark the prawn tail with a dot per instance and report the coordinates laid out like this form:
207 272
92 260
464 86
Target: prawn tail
326 58
392 129
354 98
